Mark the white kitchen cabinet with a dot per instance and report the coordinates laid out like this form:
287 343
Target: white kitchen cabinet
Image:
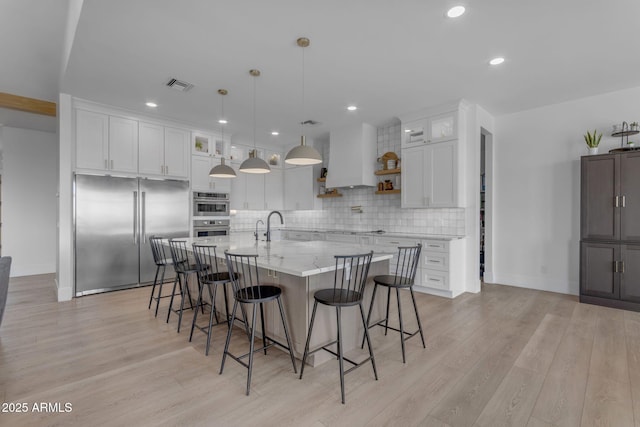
209 144
106 143
92 140
441 268
123 144
200 179
247 191
176 152
437 128
163 151
430 175
274 190
298 188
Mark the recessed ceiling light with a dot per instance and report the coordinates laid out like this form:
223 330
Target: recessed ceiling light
455 11
223 121
497 61
151 104
352 108
275 133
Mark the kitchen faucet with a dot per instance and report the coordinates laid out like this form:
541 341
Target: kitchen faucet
269 223
256 233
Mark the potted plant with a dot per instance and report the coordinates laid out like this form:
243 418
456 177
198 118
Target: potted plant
592 140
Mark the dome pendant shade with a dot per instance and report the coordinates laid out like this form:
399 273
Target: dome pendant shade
222 171
254 164
303 155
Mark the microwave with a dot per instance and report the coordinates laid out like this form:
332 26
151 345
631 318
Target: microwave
210 204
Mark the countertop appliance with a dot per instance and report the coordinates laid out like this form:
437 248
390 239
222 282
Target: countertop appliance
114 217
210 227
210 204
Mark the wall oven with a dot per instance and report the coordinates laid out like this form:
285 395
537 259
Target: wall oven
210 204
210 227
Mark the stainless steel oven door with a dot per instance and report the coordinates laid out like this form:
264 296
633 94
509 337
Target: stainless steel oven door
208 228
210 208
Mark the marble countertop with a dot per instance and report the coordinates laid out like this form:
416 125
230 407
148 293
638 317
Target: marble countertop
290 257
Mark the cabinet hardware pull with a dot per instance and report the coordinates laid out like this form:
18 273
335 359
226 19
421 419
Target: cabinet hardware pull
624 201
434 261
106 166
161 169
434 246
434 280
111 164
617 203
615 266
621 267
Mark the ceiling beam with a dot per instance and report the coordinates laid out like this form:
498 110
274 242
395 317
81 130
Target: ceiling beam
30 105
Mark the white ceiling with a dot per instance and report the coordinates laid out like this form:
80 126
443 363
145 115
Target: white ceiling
388 58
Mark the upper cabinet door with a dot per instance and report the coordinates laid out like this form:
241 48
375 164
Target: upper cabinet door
176 152
413 177
123 144
443 127
600 194
92 140
629 199
273 189
443 186
151 149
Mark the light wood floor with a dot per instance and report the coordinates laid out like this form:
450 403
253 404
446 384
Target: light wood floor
506 356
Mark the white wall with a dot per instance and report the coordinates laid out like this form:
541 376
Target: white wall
29 205
537 187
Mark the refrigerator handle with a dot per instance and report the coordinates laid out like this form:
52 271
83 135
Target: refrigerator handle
135 217
143 216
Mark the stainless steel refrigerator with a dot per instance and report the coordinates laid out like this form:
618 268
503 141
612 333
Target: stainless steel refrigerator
114 218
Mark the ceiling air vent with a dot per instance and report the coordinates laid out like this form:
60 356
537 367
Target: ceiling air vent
310 123
179 85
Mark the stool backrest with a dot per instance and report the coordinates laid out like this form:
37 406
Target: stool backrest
179 255
408 258
206 261
350 276
161 255
243 270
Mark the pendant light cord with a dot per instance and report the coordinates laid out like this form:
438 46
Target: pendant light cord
254 117
303 106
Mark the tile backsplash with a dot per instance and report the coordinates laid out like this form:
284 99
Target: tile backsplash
379 212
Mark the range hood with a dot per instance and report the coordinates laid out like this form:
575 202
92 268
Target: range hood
352 156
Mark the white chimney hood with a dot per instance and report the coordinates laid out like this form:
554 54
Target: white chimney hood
352 156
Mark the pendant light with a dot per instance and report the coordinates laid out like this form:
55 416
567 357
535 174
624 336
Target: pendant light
254 164
303 154
222 170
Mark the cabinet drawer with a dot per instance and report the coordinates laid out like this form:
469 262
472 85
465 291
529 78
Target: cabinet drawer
436 260
337 237
435 246
395 242
435 279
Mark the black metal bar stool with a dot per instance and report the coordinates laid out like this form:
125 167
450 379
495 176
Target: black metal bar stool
249 290
161 258
211 277
404 277
184 267
348 289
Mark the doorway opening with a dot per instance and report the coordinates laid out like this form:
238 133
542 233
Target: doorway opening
486 190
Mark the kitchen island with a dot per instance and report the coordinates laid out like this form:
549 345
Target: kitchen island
300 269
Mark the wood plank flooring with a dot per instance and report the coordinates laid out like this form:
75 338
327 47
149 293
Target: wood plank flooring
504 357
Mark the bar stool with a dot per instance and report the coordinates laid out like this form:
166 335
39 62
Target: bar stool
184 267
404 277
348 289
249 290
161 259
210 275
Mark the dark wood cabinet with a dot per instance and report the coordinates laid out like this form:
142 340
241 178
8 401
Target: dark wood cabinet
610 230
